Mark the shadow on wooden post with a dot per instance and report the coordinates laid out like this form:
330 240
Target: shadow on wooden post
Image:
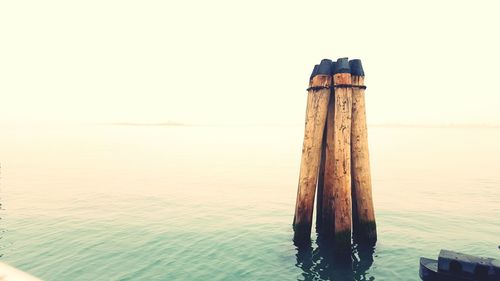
321 179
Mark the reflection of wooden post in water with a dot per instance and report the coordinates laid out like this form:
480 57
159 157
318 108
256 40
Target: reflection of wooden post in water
339 164
363 212
318 97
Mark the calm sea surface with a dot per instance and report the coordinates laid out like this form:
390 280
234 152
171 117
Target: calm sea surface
216 203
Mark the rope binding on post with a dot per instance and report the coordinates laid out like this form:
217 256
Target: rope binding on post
317 88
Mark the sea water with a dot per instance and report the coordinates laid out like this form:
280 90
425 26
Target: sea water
108 202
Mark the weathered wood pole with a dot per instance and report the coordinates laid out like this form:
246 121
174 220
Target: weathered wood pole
338 158
327 204
364 225
321 173
318 97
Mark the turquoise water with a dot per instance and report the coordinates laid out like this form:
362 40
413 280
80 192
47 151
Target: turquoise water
216 203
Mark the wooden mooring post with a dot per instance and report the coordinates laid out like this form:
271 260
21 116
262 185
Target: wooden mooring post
318 97
335 158
364 226
327 204
341 159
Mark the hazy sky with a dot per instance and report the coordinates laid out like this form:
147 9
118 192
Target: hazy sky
243 62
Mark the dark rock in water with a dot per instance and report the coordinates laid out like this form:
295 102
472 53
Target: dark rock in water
453 266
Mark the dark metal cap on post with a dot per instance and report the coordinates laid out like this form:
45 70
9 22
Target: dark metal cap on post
314 72
334 66
342 66
356 68
325 67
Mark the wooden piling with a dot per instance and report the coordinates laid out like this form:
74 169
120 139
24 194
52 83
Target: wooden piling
317 105
338 157
364 225
327 205
321 172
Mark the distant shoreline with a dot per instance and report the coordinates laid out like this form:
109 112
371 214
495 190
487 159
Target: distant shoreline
450 126
164 124
377 125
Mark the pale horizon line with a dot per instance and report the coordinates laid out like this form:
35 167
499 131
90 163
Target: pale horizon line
382 125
